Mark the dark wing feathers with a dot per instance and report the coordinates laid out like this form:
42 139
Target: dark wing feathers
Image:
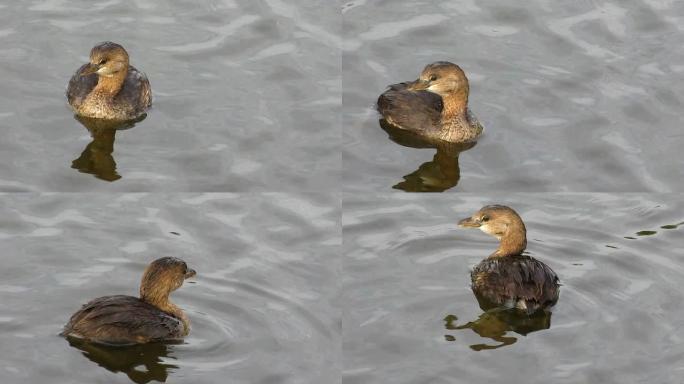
417 111
512 278
80 86
136 91
123 319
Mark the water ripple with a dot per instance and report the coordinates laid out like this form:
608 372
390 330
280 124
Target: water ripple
223 33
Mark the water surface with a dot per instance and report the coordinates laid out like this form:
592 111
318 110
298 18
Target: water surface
410 316
261 305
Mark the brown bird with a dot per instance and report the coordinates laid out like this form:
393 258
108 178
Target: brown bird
435 106
131 320
507 278
108 87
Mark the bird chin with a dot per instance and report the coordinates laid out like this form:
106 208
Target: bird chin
485 228
434 89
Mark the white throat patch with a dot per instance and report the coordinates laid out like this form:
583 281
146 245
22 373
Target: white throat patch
485 228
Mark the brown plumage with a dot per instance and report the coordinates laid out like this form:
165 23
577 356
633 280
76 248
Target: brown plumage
130 320
435 106
108 87
507 278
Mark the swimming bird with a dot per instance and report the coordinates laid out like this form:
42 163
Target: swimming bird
108 87
151 317
507 278
435 106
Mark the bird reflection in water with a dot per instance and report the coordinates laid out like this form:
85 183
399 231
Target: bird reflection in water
142 363
97 159
496 322
438 175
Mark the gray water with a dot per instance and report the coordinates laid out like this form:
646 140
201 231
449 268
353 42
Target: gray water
580 96
246 96
619 317
260 306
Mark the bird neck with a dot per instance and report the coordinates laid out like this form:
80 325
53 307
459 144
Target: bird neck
111 85
160 299
455 105
512 243
157 297
456 126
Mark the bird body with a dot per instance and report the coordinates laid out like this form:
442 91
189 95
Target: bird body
123 319
108 87
507 278
435 106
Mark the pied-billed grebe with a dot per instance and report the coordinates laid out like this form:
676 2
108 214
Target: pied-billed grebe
507 278
435 106
108 87
131 320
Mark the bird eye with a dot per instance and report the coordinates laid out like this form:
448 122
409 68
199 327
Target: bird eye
102 62
485 219
433 77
